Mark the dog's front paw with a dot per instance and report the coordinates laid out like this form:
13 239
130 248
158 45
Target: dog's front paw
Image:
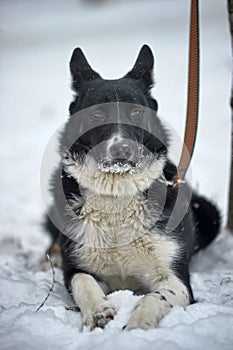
147 314
99 318
141 320
103 317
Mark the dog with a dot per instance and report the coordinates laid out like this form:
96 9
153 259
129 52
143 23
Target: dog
112 205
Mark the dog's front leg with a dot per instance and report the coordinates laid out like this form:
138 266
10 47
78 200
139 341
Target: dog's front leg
93 303
149 311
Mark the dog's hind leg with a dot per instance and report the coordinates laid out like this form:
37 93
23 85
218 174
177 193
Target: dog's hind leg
149 311
91 298
54 250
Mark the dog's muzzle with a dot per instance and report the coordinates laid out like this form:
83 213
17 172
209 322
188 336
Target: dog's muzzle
121 150
121 155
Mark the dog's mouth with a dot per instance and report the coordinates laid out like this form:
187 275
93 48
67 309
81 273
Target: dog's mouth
118 166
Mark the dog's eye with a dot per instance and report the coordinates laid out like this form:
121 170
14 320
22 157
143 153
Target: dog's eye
98 114
135 112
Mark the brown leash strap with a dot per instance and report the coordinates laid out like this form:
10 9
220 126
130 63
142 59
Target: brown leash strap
193 97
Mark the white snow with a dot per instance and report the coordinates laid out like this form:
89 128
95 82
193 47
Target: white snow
37 41
205 324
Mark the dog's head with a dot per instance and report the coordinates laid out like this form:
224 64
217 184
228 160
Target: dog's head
114 142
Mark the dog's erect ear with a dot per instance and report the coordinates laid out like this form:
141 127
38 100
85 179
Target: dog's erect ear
80 69
143 68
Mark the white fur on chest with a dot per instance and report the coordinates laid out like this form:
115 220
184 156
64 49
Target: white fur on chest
108 221
143 262
118 245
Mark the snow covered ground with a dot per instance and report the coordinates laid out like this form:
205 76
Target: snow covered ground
204 325
37 41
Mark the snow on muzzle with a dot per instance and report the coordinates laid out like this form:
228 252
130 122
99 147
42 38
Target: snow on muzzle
118 147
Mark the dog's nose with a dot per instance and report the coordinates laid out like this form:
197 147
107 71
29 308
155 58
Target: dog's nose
121 150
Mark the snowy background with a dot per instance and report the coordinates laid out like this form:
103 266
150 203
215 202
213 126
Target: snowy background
37 39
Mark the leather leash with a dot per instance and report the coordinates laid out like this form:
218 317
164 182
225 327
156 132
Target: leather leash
193 99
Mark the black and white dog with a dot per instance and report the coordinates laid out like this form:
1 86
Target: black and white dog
118 224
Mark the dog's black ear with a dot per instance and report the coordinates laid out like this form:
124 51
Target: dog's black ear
80 69
143 67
